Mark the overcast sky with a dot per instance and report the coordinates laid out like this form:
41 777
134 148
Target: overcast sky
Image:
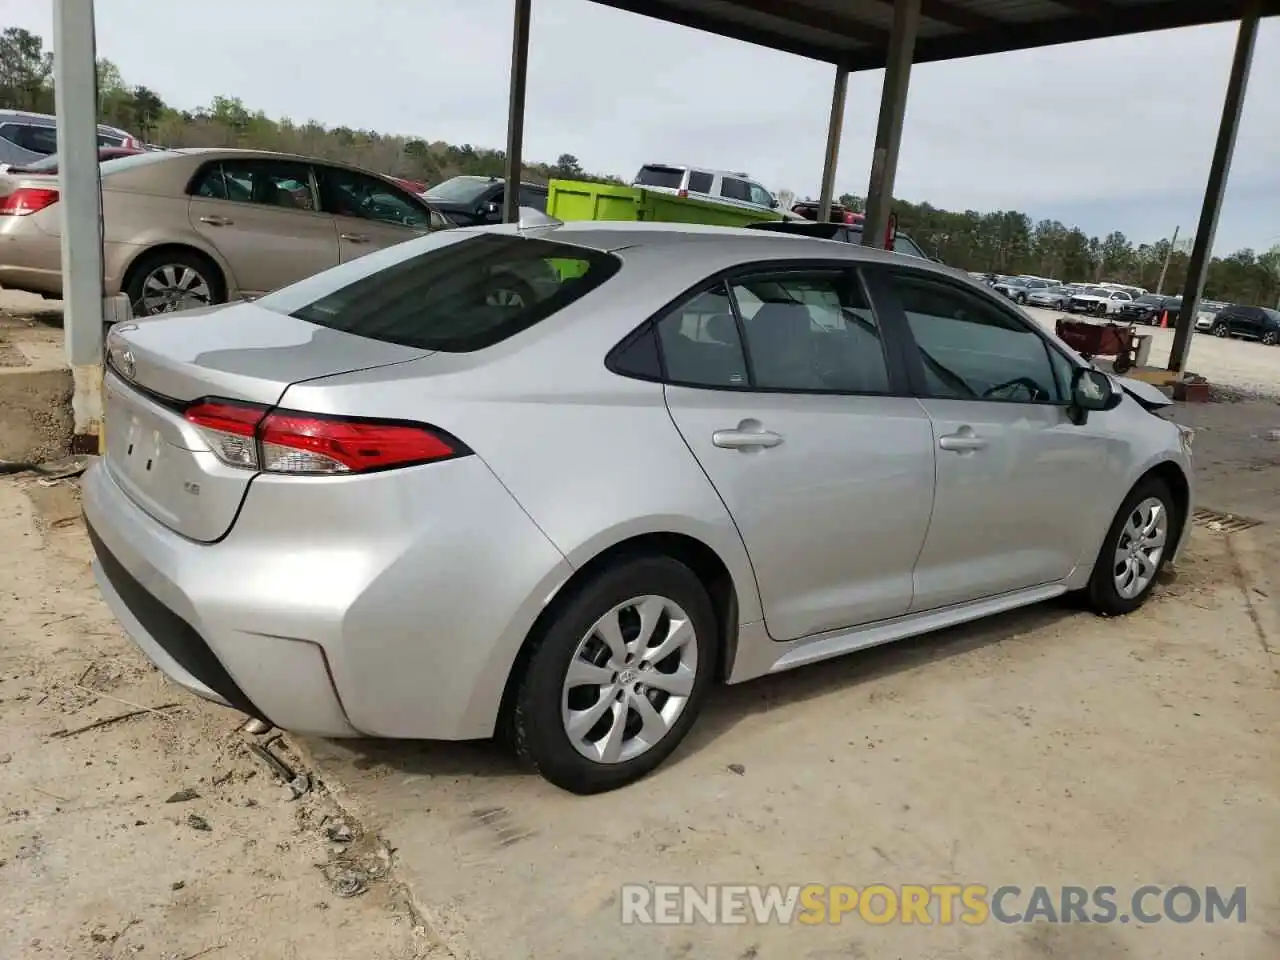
1114 134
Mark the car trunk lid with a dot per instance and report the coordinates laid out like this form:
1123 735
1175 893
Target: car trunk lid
243 352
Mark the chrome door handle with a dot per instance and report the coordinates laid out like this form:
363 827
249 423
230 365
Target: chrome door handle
745 439
216 221
962 441
354 238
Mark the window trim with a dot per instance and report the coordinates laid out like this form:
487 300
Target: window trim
886 301
394 189
312 183
892 336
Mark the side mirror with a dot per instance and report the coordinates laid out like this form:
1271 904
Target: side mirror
1093 390
493 209
774 203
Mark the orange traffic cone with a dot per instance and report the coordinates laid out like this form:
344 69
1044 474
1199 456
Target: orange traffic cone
1164 319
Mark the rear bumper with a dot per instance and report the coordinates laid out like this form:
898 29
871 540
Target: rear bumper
382 605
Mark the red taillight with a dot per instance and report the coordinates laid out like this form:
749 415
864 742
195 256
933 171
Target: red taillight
230 428
285 441
27 200
302 443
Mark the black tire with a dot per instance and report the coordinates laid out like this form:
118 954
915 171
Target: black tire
1102 595
1219 330
1020 298
1270 338
148 263
537 729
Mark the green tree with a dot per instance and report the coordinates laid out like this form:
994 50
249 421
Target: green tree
26 71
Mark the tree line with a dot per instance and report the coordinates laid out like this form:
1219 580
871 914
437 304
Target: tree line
1006 241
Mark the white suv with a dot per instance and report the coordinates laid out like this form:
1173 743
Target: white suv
718 186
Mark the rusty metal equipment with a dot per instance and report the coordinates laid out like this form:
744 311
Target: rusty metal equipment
1100 340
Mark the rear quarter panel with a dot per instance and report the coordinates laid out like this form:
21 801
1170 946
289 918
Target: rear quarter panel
593 457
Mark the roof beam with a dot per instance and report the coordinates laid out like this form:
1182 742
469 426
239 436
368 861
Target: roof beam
946 12
1098 9
803 16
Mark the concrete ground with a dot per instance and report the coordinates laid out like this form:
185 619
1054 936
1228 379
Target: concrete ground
1043 747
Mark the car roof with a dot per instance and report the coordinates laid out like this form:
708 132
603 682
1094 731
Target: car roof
719 244
49 120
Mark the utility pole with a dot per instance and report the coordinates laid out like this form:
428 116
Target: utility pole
1168 254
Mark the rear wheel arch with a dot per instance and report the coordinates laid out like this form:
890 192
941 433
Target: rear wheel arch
220 275
701 559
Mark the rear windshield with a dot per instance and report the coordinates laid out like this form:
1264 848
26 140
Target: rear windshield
653 176
460 189
463 296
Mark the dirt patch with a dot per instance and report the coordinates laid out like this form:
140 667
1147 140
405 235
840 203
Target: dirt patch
137 820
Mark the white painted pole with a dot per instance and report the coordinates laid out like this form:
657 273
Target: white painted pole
80 205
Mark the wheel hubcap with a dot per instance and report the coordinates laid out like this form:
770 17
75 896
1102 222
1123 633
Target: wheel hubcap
1140 547
629 680
174 287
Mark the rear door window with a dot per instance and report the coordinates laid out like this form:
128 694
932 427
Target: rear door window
34 138
271 183
460 296
700 182
654 175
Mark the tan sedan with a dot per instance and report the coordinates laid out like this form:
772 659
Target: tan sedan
186 228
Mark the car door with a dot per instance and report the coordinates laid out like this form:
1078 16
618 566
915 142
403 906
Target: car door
1015 475
791 397
261 215
369 212
1246 322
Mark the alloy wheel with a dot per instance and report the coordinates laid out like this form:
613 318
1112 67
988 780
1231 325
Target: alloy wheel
1140 547
629 679
1270 338
174 286
1220 330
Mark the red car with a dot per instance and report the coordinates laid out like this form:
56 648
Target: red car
413 186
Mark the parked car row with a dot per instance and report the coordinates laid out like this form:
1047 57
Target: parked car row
193 227
1248 323
27 138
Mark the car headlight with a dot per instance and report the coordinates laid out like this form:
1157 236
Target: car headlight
1186 437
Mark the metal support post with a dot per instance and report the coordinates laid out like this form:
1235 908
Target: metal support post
835 127
80 208
1219 169
515 111
893 109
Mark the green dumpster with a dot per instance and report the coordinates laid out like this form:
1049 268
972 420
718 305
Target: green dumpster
580 200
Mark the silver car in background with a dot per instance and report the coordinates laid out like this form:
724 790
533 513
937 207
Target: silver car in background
380 503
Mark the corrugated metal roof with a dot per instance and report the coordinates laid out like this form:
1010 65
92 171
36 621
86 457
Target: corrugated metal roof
856 32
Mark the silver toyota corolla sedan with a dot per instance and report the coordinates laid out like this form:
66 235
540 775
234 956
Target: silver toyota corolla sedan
383 502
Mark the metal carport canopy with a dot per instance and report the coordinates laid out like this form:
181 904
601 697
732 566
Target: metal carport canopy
855 34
